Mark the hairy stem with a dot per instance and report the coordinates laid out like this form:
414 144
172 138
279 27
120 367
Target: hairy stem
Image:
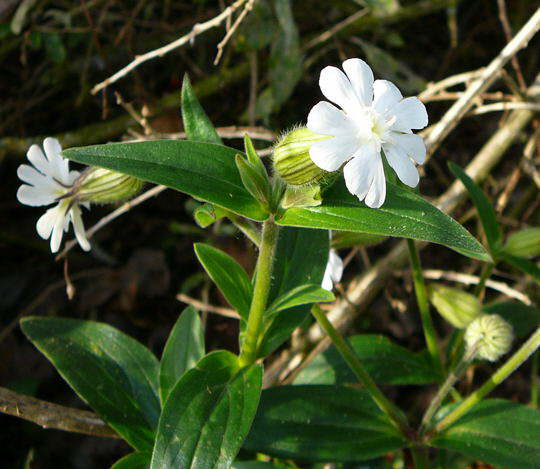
247 228
263 278
358 369
423 306
484 275
525 351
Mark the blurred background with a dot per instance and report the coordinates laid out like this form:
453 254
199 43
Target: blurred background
53 52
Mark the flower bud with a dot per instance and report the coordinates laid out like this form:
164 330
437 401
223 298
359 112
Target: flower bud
301 196
459 308
491 335
524 243
291 157
101 186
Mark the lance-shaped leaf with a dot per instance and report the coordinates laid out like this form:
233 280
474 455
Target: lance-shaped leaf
113 373
255 183
133 461
196 123
485 210
208 414
184 348
498 432
520 263
302 295
228 275
321 423
203 170
403 214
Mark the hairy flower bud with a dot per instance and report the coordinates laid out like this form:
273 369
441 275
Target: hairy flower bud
101 186
291 157
459 308
491 335
524 243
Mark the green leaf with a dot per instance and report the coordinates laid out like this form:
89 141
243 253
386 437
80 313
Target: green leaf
254 159
255 465
208 414
302 295
321 423
523 318
300 259
255 183
206 214
497 432
485 210
133 461
184 348
196 123
386 362
348 239
203 170
520 263
404 214
54 47
228 275
113 373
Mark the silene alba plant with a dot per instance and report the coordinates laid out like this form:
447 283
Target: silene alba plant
351 170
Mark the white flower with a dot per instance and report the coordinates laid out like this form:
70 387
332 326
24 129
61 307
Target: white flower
373 117
333 272
47 182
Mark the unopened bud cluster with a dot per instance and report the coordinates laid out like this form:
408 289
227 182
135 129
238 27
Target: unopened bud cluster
490 335
458 307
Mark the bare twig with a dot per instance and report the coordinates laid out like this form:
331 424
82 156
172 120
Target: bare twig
203 306
434 88
247 8
138 117
528 163
126 207
49 415
503 16
466 279
505 106
196 30
462 105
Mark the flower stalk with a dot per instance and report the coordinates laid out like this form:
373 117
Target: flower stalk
423 306
261 290
348 354
512 364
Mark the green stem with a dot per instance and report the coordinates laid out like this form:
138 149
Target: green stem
358 369
484 275
263 277
534 380
525 351
420 457
247 228
451 379
423 306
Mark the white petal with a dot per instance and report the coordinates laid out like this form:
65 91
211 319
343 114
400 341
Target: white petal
385 95
330 154
337 88
34 196
324 118
45 224
361 78
413 145
359 171
60 224
30 175
78 227
401 164
58 163
333 271
37 158
410 114
377 191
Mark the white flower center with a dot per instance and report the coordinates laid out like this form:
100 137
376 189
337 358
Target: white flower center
372 127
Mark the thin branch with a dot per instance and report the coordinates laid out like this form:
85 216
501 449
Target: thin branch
506 106
202 306
466 279
462 105
196 30
49 415
434 88
247 8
